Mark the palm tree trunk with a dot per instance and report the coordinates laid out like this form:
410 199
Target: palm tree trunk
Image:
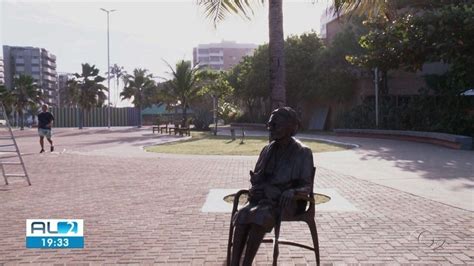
183 123
139 111
81 118
22 119
277 54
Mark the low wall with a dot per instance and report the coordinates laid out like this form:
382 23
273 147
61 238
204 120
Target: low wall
442 139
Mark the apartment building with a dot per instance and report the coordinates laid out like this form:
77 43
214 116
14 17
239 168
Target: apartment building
2 74
36 62
63 78
221 56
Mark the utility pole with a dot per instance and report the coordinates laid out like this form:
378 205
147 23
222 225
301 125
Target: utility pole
108 65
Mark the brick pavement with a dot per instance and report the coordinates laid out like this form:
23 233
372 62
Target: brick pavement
146 208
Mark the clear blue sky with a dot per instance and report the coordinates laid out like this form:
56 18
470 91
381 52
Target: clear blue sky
142 33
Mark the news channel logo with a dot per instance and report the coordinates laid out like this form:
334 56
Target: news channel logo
55 233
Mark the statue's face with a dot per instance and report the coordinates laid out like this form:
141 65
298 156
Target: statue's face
279 127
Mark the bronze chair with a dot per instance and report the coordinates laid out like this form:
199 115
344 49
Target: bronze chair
305 214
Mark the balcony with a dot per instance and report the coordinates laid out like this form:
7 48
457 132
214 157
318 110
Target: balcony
49 71
49 64
49 78
203 51
220 53
220 62
48 55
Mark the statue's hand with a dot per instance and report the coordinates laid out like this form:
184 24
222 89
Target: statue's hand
286 197
254 178
256 193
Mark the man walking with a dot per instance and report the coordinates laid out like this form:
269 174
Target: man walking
45 121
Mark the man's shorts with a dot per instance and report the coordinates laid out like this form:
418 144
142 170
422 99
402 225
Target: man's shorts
44 133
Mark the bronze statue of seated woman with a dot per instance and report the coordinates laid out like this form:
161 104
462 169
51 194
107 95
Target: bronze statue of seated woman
284 169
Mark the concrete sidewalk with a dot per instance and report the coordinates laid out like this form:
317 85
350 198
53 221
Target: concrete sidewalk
146 208
438 173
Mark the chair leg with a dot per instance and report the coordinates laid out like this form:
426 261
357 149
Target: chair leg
314 235
229 243
276 250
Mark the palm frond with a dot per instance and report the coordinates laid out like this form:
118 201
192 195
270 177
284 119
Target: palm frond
218 10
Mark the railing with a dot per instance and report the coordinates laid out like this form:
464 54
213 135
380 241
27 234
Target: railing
96 117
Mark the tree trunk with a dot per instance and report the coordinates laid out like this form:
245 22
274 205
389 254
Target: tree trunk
81 118
185 115
139 116
277 54
22 119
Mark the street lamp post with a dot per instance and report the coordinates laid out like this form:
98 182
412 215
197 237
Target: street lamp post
108 65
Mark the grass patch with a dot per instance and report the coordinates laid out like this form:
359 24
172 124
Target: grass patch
204 143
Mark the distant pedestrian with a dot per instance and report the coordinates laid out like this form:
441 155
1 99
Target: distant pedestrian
45 122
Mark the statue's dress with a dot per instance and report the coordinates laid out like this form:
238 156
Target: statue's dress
277 170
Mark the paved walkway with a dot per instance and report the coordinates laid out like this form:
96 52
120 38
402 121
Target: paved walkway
142 207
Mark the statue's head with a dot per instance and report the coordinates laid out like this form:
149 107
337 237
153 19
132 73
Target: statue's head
283 123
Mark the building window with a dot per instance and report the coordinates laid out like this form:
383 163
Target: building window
203 59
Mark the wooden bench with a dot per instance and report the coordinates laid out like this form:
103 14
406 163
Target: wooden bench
164 127
178 129
160 128
183 131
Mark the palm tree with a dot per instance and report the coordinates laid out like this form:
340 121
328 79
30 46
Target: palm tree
86 91
118 73
140 86
183 86
25 94
217 10
7 100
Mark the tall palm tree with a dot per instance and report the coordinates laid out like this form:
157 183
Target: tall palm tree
183 86
25 94
86 91
118 72
140 86
217 10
